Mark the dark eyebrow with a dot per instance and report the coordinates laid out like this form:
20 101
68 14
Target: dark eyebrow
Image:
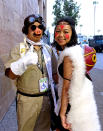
67 29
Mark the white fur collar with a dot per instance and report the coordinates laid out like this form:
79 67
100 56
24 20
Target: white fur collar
83 113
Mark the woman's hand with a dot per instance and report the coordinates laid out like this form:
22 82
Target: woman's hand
64 122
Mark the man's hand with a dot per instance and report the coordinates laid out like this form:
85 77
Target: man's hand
30 58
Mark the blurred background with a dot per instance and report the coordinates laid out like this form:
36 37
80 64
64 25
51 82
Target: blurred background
87 15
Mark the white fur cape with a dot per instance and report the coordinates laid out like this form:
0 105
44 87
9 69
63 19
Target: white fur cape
83 113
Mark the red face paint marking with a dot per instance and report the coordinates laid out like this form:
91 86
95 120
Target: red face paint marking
62 26
67 36
56 34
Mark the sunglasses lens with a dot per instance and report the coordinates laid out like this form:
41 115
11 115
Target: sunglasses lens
40 27
33 27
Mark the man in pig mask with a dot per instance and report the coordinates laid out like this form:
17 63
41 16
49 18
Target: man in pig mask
32 65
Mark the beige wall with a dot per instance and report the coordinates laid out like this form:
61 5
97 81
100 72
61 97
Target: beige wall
42 8
12 14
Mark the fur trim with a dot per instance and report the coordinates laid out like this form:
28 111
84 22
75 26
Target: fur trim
83 113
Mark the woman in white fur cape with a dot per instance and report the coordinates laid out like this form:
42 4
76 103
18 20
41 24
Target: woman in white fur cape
74 87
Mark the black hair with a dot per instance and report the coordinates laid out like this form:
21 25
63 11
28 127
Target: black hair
73 40
29 20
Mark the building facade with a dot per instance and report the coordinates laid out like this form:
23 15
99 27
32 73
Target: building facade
12 14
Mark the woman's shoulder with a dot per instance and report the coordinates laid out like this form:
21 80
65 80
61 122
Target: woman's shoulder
74 51
75 48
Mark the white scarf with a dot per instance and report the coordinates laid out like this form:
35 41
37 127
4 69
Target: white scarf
34 43
47 59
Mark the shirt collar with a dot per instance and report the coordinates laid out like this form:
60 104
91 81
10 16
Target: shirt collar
40 43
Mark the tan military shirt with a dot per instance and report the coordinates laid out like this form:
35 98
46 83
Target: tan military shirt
28 82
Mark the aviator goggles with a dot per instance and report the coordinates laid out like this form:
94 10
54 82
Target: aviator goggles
33 27
38 18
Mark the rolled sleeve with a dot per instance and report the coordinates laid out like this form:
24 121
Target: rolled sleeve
14 56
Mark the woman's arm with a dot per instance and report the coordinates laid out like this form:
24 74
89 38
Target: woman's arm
67 74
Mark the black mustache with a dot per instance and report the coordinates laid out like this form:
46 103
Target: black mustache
36 34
